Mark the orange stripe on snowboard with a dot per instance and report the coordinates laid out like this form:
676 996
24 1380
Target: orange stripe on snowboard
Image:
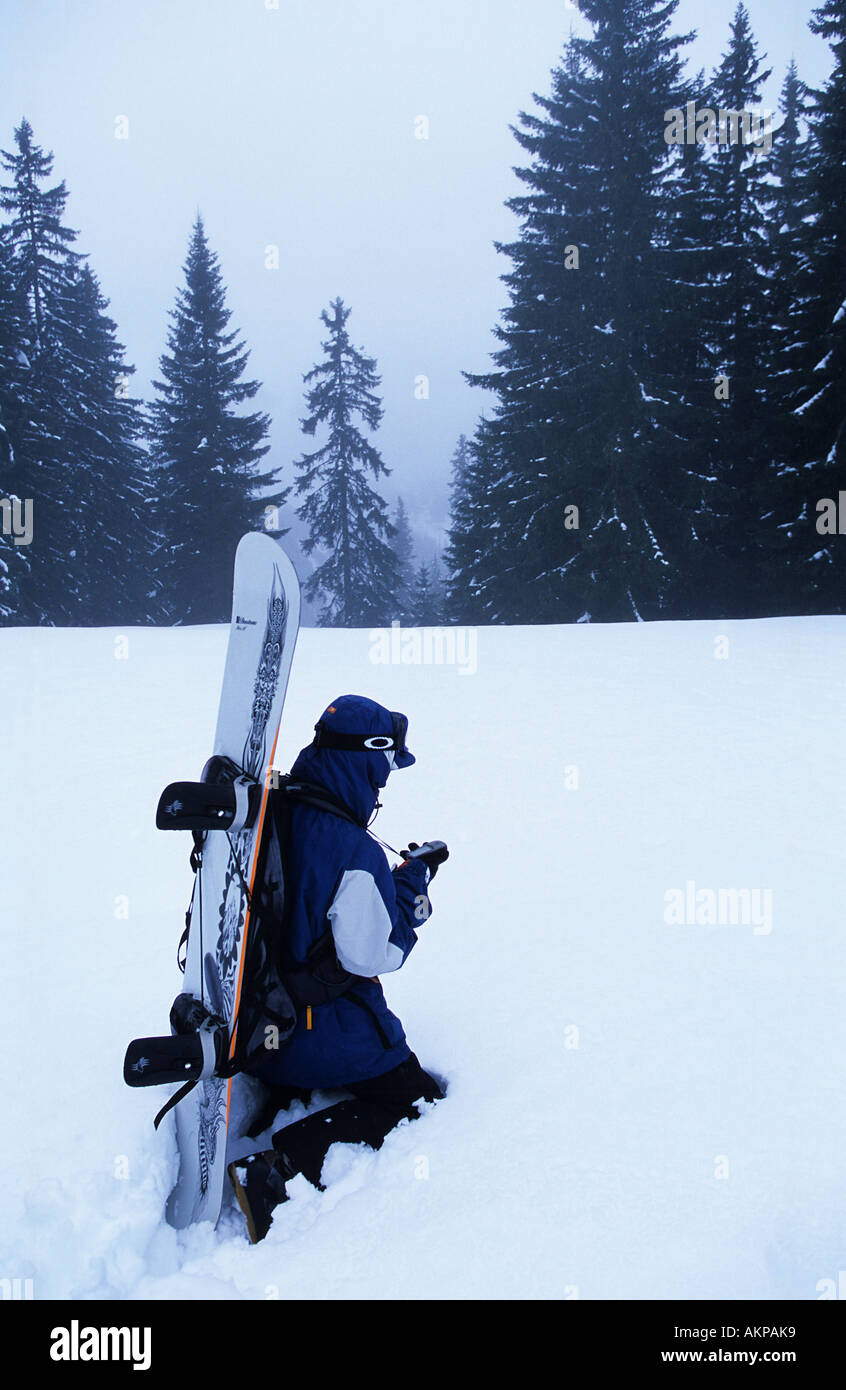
259 830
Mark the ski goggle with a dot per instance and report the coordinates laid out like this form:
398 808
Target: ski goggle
392 743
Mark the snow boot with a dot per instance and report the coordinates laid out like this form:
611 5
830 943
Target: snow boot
259 1183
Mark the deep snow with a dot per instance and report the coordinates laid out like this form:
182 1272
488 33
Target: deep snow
637 1108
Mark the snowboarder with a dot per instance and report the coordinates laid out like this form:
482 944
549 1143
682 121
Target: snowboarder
347 919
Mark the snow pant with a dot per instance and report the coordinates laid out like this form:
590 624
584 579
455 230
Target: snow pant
378 1105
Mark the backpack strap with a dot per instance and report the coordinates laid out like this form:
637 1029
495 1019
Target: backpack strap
275 994
268 998
294 789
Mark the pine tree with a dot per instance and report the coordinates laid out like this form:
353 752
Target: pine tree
205 455
114 536
471 555
402 545
359 579
14 363
683 363
580 424
76 457
42 245
14 367
424 600
822 411
43 265
788 203
741 317
438 590
793 569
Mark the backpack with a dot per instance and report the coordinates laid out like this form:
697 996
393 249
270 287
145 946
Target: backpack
276 985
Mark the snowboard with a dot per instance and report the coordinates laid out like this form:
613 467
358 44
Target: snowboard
262 636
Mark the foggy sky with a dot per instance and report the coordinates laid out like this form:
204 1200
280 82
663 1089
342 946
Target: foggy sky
294 127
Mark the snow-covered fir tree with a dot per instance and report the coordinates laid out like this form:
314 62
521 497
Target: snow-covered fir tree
789 211
740 322
44 589
426 600
594 494
76 457
114 534
402 544
683 363
359 579
470 554
206 454
14 363
14 366
821 411
796 565
439 590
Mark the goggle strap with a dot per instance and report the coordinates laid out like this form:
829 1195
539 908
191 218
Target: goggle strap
370 743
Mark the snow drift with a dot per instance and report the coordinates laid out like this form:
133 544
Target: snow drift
631 978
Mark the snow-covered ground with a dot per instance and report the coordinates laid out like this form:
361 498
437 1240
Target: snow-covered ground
639 1107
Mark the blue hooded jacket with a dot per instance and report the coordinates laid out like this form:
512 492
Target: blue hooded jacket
337 875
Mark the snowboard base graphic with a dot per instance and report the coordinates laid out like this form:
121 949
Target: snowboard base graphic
262 636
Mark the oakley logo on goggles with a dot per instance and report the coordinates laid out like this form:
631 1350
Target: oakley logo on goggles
384 743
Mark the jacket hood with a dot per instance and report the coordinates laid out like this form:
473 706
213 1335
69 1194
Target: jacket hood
356 776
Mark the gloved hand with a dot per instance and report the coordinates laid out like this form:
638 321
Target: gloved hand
432 852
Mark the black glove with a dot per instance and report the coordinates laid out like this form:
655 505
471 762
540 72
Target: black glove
433 853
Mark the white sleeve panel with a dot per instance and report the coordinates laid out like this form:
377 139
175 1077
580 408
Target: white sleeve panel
361 926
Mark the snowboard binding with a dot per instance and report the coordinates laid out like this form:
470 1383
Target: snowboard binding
224 799
227 799
196 1049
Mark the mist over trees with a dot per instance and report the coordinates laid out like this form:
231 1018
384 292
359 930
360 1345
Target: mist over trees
668 433
70 460
133 513
360 576
204 453
671 371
